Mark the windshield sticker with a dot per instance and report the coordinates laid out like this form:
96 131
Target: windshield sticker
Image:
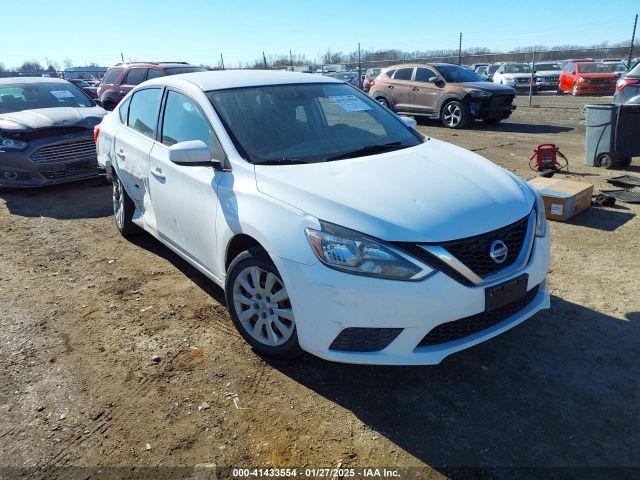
62 94
349 103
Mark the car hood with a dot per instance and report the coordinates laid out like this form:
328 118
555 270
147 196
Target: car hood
548 72
430 193
516 75
488 86
30 120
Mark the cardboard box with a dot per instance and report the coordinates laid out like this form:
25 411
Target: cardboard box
563 198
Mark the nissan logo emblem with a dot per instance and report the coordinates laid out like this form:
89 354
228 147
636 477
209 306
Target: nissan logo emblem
498 251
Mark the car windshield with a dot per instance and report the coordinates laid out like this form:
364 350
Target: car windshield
80 83
456 74
15 97
545 67
178 70
523 68
593 68
618 67
305 123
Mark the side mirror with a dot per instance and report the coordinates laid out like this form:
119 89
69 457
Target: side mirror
409 121
98 102
439 82
192 152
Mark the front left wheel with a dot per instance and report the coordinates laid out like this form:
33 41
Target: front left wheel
455 114
259 305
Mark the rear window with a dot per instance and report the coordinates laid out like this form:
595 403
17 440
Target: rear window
135 76
143 111
403 74
112 76
179 70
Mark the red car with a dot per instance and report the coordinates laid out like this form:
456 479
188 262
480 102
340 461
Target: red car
587 78
369 77
85 87
122 77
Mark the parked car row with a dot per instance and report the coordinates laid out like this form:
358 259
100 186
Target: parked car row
451 93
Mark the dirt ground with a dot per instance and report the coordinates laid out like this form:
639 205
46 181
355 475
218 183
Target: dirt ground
84 311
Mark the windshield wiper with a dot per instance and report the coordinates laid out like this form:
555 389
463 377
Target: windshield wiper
368 150
282 161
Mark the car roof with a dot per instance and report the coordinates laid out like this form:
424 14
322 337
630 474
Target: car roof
413 65
8 80
221 79
152 64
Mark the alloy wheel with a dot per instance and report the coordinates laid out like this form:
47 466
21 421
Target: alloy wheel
118 202
452 115
263 307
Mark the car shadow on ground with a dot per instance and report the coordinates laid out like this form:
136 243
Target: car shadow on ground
86 199
152 245
560 390
606 219
504 126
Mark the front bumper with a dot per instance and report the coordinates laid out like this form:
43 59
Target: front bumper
488 109
325 302
20 169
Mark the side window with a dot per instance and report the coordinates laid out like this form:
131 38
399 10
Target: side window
403 74
135 76
424 74
390 73
153 73
184 121
112 76
123 111
143 111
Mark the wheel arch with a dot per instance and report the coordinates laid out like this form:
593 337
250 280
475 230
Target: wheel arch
238 244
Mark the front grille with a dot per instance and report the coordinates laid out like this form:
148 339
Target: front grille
457 329
522 80
474 251
501 100
551 78
356 339
81 149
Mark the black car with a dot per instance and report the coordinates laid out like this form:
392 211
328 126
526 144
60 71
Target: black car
628 88
46 132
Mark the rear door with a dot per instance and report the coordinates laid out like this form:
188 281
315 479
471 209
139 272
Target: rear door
134 76
424 92
134 141
400 88
184 197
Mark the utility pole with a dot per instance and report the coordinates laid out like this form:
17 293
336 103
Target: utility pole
533 71
291 60
633 38
222 60
264 59
460 50
359 67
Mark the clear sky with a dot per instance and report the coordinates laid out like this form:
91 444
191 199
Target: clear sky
198 30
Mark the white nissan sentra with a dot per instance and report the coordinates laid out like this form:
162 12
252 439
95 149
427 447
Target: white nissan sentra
333 225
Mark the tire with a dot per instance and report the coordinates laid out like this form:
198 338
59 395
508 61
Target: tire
108 105
454 114
123 209
384 103
491 121
605 160
265 322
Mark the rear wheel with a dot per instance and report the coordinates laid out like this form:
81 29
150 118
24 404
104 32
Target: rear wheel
605 160
454 114
123 209
259 305
383 102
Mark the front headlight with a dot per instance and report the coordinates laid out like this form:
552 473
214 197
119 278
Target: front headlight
9 144
541 218
353 252
478 93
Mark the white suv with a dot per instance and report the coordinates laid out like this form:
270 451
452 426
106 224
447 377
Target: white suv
333 226
516 75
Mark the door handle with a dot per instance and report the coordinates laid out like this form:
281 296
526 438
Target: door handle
121 154
389 86
415 89
158 173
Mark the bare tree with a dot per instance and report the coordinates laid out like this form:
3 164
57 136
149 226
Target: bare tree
30 67
67 63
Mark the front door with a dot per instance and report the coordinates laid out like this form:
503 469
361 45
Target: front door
425 93
184 197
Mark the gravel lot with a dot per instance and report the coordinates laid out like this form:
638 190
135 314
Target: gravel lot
84 312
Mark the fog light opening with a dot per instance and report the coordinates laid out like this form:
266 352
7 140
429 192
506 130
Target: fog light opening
11 175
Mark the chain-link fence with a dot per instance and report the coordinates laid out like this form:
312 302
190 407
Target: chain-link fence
87 75
551 78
